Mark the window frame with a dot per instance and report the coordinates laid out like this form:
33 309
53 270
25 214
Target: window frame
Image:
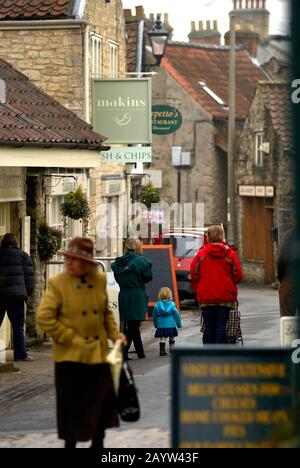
113 59
259 154
97 55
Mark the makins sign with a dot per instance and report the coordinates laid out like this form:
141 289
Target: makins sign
165 120
122 110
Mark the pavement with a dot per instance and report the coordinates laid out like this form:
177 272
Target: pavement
27 396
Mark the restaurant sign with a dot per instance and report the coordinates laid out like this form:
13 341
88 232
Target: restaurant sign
232 397
127 155
122 110
165 120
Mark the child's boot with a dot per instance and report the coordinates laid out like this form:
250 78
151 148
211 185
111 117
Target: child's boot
162 349
171 345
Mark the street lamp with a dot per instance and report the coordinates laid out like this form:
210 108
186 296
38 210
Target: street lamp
158 40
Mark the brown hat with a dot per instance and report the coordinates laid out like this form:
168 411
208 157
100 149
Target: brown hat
81 248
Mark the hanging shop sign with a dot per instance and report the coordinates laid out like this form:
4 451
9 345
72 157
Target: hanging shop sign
165 120
127 155
256 191
122 110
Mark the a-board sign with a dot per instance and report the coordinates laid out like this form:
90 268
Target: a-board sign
231 397
164 275
290 330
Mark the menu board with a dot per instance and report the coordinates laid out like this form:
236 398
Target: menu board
231 397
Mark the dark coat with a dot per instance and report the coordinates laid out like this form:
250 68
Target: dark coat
16 273
285 273
131 272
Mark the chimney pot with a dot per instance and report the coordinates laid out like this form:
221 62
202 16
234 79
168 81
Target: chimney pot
139 11
201 27
193 26
215 25
208 25
166 18
127 13
152 17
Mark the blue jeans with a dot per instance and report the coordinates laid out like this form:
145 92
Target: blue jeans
14 307
215 324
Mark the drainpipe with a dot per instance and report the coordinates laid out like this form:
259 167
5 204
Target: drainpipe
139 55
86 73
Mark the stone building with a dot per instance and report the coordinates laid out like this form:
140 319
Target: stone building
61 46
264 180
38 138
194 80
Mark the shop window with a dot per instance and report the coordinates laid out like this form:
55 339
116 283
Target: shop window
4 218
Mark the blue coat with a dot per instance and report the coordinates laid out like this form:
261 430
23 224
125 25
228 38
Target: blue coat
166 315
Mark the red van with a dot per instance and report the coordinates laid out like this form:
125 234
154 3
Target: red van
186 245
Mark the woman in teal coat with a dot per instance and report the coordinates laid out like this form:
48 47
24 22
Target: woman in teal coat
132 272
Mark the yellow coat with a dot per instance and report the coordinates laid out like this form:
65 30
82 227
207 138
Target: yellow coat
77 317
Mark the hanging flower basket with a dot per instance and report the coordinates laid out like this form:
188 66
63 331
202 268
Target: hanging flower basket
76 206
49 241
149 195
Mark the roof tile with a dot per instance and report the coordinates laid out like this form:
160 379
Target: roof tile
25 9
276 97
189 64
30 115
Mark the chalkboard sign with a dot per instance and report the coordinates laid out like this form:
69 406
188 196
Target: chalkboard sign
231 397
164 275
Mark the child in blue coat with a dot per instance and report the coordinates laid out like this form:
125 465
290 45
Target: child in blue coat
166 319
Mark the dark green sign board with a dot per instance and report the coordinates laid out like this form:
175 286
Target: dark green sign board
165 120
232 397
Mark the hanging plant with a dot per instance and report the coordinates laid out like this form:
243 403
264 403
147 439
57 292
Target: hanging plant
49 241
76 206
149 195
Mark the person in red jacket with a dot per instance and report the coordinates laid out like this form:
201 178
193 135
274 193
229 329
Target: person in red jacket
215 271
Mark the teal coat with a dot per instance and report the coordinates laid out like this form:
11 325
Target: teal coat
132 272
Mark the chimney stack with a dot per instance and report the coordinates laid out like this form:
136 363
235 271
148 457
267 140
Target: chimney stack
252 13
207 33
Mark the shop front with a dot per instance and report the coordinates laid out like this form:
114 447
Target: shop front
11 220
110 228
256 227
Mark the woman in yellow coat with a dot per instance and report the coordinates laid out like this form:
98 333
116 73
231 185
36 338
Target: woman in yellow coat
74 312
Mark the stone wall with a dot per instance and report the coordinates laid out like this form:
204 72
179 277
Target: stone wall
52 59
205 181
276 172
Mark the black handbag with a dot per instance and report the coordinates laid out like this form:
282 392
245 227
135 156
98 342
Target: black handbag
128 403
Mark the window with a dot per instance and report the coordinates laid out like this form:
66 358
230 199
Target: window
259 154
113 59
4 218
97 55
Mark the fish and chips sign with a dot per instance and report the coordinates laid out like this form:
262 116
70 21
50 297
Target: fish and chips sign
122 110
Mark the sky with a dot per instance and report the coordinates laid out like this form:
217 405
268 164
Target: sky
182 12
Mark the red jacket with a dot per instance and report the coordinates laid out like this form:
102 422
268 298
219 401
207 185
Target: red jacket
215 272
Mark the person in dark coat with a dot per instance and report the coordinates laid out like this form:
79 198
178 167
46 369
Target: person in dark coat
285 274
132 271
16 284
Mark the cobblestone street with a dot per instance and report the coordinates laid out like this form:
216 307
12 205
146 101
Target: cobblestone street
27 399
